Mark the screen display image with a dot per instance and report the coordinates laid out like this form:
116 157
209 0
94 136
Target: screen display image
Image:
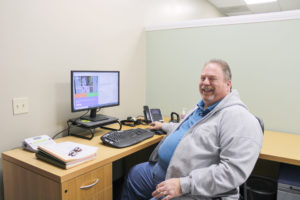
94 89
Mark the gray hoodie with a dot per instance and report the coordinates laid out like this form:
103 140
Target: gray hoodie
218 153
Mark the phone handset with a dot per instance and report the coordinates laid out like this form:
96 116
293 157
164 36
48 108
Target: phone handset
152 115
147 116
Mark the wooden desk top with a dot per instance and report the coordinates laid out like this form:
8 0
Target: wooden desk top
281 147
105 155
277 146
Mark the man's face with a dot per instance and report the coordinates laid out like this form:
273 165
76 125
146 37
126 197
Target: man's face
213 86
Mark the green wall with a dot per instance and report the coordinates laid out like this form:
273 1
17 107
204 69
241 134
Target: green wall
264 59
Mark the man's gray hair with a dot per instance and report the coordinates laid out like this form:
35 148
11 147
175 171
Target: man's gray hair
225 67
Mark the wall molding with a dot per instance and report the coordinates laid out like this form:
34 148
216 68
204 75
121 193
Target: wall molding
253 18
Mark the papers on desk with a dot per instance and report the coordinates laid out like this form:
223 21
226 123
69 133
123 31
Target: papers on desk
66 154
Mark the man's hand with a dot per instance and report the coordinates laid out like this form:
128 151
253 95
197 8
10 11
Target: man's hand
169 189
156 125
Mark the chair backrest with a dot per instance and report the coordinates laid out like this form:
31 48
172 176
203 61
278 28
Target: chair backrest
262 125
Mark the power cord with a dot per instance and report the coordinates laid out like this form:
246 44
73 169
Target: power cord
132 122
86 113
58 133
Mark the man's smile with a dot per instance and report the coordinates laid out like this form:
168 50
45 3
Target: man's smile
207 90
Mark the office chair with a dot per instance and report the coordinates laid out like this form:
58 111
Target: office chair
244 185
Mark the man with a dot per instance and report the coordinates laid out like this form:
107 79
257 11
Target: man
206 156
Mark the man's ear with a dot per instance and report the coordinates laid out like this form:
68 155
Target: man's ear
229 85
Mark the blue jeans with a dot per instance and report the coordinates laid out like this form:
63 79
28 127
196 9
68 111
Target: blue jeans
142 180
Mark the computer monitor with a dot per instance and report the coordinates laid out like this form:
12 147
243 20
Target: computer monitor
91 90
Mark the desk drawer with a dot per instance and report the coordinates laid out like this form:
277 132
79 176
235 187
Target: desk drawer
96 184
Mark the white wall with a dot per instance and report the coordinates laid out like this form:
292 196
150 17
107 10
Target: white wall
262 51
41 41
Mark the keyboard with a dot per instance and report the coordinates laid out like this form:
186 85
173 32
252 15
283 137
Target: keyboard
126 138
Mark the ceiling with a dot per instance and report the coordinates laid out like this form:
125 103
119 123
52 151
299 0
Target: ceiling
239 7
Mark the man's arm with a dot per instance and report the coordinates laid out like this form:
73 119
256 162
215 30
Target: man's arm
156 125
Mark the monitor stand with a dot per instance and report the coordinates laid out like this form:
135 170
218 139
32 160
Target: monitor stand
92 122
91 126
94 117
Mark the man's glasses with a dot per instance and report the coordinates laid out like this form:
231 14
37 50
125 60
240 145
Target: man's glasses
75 151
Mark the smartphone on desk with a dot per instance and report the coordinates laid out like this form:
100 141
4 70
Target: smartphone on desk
152 115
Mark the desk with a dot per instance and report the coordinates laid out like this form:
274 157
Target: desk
26 177
281 147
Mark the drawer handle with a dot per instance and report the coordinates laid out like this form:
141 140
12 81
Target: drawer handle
89 186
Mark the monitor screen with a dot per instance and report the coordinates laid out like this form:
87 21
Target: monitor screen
91 90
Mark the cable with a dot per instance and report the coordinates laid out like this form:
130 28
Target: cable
58 133
84 114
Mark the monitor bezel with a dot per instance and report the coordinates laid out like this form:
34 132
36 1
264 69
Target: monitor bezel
96 107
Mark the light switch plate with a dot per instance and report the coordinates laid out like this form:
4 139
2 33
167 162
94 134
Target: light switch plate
20 105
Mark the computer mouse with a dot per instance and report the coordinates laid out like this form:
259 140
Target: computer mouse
158 131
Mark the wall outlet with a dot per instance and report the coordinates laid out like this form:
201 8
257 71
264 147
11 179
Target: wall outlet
20 105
